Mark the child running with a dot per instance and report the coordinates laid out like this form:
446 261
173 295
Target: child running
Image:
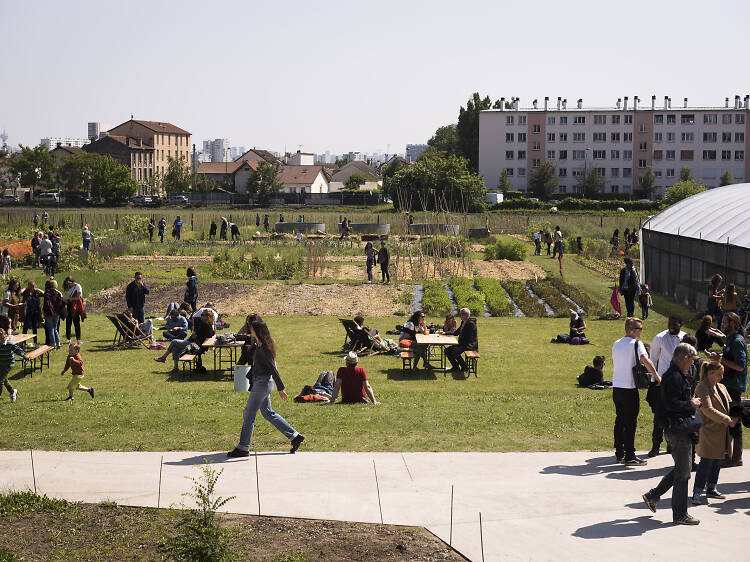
76 368
8 353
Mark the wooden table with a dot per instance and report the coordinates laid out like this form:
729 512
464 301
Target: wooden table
21 339
227 353
436 344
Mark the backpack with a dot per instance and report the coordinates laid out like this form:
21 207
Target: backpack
224 339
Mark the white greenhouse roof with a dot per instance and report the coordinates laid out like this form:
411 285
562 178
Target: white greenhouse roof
715 215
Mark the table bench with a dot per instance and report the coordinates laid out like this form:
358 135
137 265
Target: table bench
406 360
472 359
41 354
187 361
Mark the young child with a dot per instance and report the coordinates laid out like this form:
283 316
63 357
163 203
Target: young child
645 299
593 375
76 368
8 353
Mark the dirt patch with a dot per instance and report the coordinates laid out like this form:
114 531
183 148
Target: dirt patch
510 270
104 532
272 299
163 260
17 249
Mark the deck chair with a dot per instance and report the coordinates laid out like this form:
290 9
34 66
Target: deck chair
127 335
356 339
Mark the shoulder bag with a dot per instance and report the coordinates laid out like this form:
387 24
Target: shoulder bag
687 424
640 373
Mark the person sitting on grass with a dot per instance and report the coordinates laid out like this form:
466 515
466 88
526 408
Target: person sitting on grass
75 364
352 383
203 328
177 326
593 375
577 325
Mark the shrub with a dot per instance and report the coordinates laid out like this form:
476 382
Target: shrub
466 297
435 301
523 299
134 224
506 248
28 501
494 295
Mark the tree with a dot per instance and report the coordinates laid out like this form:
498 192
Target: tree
443 183
178 177
682 190
647 182
726 179
77 171
264 182
111 180
686 174
155 184
503 184
590 183
35 167
341 162
445 140
392 167
355 181
543 181
467 128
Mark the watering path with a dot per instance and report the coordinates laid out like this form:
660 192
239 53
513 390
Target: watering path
535 506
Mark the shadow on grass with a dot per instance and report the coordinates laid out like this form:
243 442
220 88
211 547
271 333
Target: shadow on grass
597 465
618 528
419 375
189 376
216 458
21 375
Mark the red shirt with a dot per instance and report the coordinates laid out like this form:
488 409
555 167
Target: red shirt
352 384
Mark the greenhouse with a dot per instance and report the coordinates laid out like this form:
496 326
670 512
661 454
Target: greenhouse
687 243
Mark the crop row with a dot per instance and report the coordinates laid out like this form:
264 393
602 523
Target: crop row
589 305
494 295
520 295
466 297
552 296
435 301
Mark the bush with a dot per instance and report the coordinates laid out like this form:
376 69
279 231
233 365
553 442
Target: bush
134 224
575 204
494 295
466 297
506 248
28 501
435 301
523 299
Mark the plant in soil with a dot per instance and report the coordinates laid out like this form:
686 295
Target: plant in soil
506 248
494 295
552 296
466 297
523 299
435 301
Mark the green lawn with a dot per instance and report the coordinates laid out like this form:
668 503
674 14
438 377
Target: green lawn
523 400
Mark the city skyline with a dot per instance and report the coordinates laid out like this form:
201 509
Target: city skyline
393 75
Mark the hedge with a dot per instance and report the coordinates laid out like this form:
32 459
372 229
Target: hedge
466 297
435 301
494 295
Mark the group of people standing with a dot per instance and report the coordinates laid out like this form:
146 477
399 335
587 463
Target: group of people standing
383 257
554 242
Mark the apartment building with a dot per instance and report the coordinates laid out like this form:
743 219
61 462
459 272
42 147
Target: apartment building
621 142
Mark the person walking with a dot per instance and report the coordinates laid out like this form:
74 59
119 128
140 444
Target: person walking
538 242
8 352
630 285
212 230
53 307
86 237
558 249
162 226
265 222
625 394
384 259
548 241
6 263
75 364
263 375
223 228
135 297
257 220
35 242
32 307
370 255
150 229
177 228
676 404
191 289
45 216
74 306
45 251
644 298
36 220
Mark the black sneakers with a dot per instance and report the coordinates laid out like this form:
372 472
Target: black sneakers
237 453
654 452
686 520
715 494
634 461
91 391
650 502
296 442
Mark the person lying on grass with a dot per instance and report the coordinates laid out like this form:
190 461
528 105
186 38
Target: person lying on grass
352 382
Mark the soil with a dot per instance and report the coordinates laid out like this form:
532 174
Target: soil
110 532
271 299
17 249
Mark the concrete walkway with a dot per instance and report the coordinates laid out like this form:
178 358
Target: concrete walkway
534 506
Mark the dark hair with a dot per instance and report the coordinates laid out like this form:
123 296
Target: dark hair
415 317
676 317
253 317
599 361
264 337
190 272
137 273
359 320
5 251
691 339
69 282
707 321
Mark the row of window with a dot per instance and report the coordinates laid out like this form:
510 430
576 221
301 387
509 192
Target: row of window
739 155
576 154
628 137
659 119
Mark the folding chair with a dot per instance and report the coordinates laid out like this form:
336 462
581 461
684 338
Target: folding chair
127 335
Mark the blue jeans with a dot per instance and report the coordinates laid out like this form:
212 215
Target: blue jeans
178 335
707 475
139 314
260 399
677 478
176 347
51 330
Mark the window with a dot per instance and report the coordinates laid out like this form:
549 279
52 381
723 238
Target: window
739 118
658 155
627 137
563 137
577 173
670 154
601 171
550 120
563 155
687 119
579 137
614 154
709 137
739 154
658 119
509 170
726 137
615 189
670 172
642 128
521 119
726 119
536 145
643 145
600 154
521 137
686 154
657 137
600 137
710 119
509 155
550 155
562 172
671 119
536 129
508 119
657 173
600 119
687 137
628 119
522 155
726 154
563 120
535 163
579 155
550 137
627 172
627 155
522 171
508 137
642 163
670 137
563 188
739 137
709 155
580 120
615 120
614 172
615 137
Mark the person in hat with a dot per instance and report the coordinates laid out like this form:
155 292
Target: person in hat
352 382
630 286
577 324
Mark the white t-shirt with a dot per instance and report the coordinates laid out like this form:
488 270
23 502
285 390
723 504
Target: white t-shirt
623 361
4 308
405 335
75 289
662 349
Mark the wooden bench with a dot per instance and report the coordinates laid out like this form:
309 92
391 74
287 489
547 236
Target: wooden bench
406 360
472 359
40 353
187 361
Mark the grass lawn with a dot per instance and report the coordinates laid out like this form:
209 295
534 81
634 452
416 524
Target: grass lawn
523 400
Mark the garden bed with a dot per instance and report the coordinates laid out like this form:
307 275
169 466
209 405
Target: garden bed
523 299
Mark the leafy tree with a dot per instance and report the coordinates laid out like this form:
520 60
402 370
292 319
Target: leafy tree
590 183
178 177
682 190
35 167
686 174
503 183
467 128
264 182
155 184
543 181
436 183
392 167
111 180
726 179
8 179
341 162
355 181
77 171
647 183
445 140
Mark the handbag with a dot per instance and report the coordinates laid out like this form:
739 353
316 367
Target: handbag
640 373
688 424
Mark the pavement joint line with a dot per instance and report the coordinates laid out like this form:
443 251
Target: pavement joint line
407 467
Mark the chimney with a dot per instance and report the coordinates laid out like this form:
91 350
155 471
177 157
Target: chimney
726 102
580 103
518 101
625 103
685 102
559 101
653 103
619 103
502 104
565 103
534 103
669 103
546 102
666 101
747 102
736 102
636 99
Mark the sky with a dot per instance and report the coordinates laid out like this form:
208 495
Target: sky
349 76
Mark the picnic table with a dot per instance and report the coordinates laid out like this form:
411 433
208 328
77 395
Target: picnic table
224 354
436 344
21 339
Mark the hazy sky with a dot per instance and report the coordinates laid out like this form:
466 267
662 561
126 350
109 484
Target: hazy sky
344 76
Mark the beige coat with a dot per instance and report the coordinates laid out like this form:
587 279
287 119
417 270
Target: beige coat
714 441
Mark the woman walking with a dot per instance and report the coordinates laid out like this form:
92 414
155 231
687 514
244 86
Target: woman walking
53 306
74 306
370 253
263 375
191 289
